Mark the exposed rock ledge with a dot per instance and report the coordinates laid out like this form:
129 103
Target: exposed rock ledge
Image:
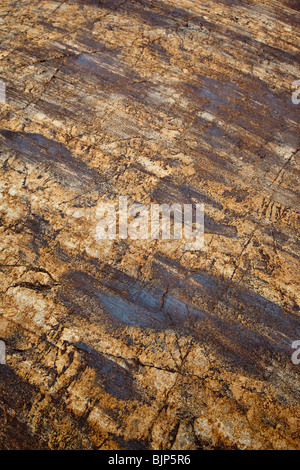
143 345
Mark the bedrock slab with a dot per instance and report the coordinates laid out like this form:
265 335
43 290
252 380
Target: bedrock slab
142 344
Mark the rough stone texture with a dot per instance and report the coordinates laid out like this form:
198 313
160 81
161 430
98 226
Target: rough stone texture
127 344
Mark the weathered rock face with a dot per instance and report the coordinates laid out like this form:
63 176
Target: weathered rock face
130 344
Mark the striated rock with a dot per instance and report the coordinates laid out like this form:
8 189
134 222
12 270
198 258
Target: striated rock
141 344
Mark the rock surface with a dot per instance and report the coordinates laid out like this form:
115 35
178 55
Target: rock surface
130 344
